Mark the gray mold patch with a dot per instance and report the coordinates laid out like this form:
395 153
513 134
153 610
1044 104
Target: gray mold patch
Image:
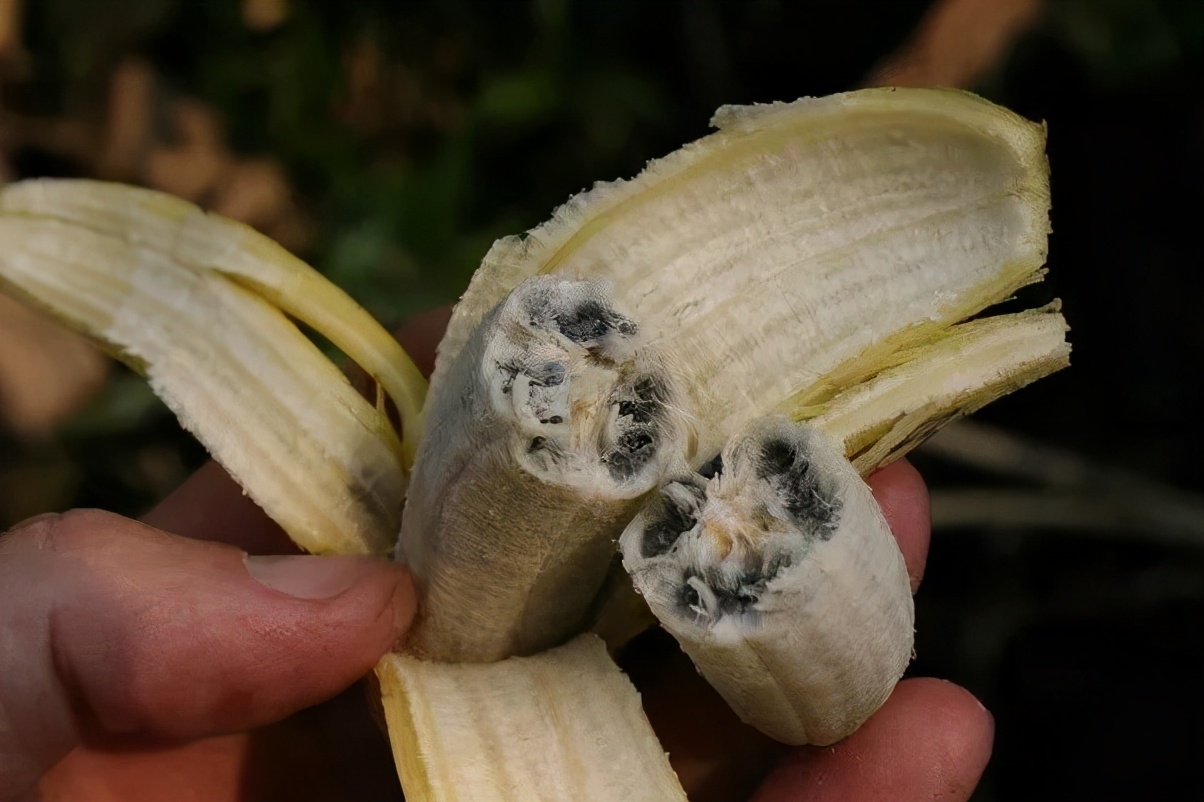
811 499
642 407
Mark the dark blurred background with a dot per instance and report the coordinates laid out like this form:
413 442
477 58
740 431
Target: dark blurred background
390 143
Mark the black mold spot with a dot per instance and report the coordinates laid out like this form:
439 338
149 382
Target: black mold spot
645 402
659 537
734 596
713 468
641 405
635 441
511 372
811 501
549 374
632 451
588 322
777 457
743 596
738 598
661 534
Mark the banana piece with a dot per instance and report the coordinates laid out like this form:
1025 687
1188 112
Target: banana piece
798 238
780 579
197 303
550 427
880 419
565 724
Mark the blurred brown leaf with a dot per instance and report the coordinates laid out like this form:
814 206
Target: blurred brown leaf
957 43
189 158
127 133
47 373
255 191
264 15
10 25
386 98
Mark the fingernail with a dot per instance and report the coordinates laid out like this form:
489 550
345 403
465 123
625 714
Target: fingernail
308 576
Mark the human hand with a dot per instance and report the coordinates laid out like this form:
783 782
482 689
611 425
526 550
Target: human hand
138 665
154 661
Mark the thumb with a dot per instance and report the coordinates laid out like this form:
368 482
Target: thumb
111 626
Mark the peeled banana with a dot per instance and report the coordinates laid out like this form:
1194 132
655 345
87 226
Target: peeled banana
813 262
764 569
551 426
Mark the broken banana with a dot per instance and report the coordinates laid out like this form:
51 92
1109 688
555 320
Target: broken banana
815 261
764 569
552 424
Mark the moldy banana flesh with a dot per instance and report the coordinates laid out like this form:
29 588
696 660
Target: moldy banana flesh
779 577
551 425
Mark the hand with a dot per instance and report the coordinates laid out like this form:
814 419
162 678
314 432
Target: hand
139 665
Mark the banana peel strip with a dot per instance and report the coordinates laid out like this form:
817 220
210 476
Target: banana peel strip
211 243
798 238
562 724
968 366
149 277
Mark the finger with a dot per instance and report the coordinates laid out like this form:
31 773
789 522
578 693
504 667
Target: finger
931 740
210 505
114 627
420 337
903 496
327 753
717 757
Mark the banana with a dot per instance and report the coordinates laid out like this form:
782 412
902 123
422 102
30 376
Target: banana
564 724
780 579
814 259
551 426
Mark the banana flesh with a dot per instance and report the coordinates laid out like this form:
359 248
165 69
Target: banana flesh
565 724
780 579
150 277
552 424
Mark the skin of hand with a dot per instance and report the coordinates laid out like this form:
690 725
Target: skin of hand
141 665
